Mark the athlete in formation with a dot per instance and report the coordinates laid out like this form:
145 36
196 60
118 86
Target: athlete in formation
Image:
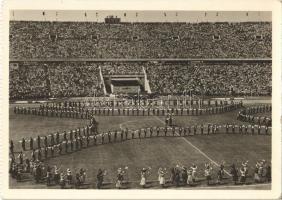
35 151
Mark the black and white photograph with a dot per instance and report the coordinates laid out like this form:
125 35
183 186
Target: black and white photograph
140 100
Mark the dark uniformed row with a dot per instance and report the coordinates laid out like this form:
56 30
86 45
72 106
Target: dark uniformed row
71 112
247 115
142 102
55 112
76 141
57 138
257 109
65 147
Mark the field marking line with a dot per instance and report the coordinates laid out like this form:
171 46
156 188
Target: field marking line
200 151
121 124
126 122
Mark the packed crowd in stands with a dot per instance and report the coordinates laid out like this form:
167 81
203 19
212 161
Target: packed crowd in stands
70 79
74 79
211 79
39 80
139 40
28 82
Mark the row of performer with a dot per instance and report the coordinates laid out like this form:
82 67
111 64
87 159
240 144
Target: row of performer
75 142
247 115
257 109
56 138
175 176
72 112
141 102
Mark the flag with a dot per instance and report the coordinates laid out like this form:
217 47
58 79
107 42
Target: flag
43 13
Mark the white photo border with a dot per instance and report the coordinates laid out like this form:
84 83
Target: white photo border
189 5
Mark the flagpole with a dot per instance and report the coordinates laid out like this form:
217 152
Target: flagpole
185 98
85 16
190 98
124 16
136 17
138 91
114 101
43 13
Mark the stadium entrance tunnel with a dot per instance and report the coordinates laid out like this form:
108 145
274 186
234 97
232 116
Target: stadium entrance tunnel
124 84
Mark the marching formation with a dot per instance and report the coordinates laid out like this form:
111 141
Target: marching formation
83 112
35 151
75 140
247 115
178 176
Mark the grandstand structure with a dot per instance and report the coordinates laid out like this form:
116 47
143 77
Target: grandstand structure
67 59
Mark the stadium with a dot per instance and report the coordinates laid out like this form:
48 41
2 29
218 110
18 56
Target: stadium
131 104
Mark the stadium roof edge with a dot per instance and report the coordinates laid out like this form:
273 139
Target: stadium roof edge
133 60
145 22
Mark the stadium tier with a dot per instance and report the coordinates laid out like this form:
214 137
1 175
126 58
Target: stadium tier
68 59
69 79
40 80
28 82
43 40
211 79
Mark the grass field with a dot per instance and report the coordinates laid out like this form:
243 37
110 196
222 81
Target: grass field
153 152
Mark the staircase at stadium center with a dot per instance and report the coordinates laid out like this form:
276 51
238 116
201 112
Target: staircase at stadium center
125 83
102 81
146 82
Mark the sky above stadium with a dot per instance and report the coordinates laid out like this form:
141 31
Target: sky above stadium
140 16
